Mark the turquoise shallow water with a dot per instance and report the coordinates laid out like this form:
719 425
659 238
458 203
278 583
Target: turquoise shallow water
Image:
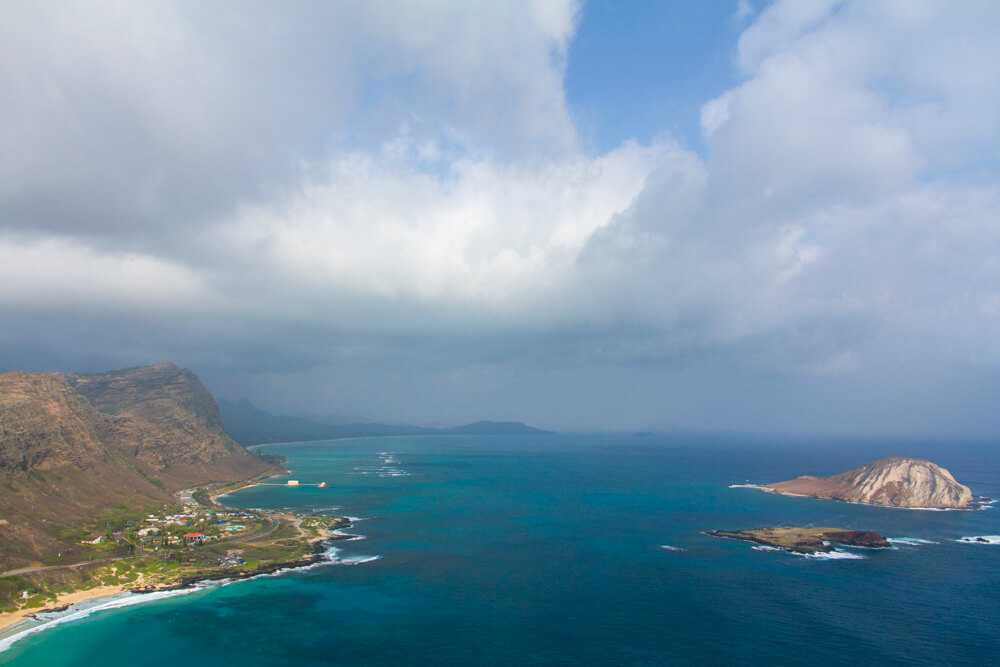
549 550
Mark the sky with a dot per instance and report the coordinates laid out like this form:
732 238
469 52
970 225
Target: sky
733 215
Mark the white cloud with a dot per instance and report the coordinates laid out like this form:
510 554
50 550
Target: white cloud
61 275
401 172
482 233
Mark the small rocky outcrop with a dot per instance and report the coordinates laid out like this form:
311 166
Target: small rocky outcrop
806 540
895 481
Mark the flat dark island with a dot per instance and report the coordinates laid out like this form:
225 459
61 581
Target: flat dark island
806 540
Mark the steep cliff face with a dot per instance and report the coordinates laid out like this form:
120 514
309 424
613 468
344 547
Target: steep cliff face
44 423
165 418
73 446
894 482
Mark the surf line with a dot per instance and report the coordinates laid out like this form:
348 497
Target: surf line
326 554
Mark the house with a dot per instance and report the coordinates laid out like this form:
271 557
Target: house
292 482
199 537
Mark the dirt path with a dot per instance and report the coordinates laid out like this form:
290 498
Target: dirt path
39 568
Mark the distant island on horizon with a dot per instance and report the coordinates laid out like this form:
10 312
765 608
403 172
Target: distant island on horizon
249 425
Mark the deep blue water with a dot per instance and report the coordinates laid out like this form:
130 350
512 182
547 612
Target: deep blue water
548 550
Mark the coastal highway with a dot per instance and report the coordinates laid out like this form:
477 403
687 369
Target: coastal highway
262 534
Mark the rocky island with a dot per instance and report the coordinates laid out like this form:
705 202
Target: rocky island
895 481
806 540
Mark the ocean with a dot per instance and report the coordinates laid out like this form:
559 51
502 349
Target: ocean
577 550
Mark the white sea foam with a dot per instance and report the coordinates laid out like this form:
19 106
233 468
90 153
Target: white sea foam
329 557
926 509
332 557
908 541
85 609
350 536
836 554
670 547
980 539
751 486
357 560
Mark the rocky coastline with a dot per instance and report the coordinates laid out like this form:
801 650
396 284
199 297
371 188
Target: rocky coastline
269 568
806 540
318 547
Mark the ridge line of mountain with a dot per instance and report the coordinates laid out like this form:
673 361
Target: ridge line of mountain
249 425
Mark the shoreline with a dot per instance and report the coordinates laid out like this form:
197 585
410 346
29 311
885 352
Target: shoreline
320 552
257 481
306 442
63 601
980 502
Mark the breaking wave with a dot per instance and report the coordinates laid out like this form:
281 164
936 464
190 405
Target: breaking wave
347 537
908 541
85 609
331 556
752 486
980 539
836 554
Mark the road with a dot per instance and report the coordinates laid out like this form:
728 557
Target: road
29 570
264 533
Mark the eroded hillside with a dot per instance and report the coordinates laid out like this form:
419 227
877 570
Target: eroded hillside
74 446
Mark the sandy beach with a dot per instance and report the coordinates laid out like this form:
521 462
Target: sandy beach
76 597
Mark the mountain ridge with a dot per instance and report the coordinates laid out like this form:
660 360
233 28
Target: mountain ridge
250 425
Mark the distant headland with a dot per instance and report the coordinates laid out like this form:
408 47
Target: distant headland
106 482
250 425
